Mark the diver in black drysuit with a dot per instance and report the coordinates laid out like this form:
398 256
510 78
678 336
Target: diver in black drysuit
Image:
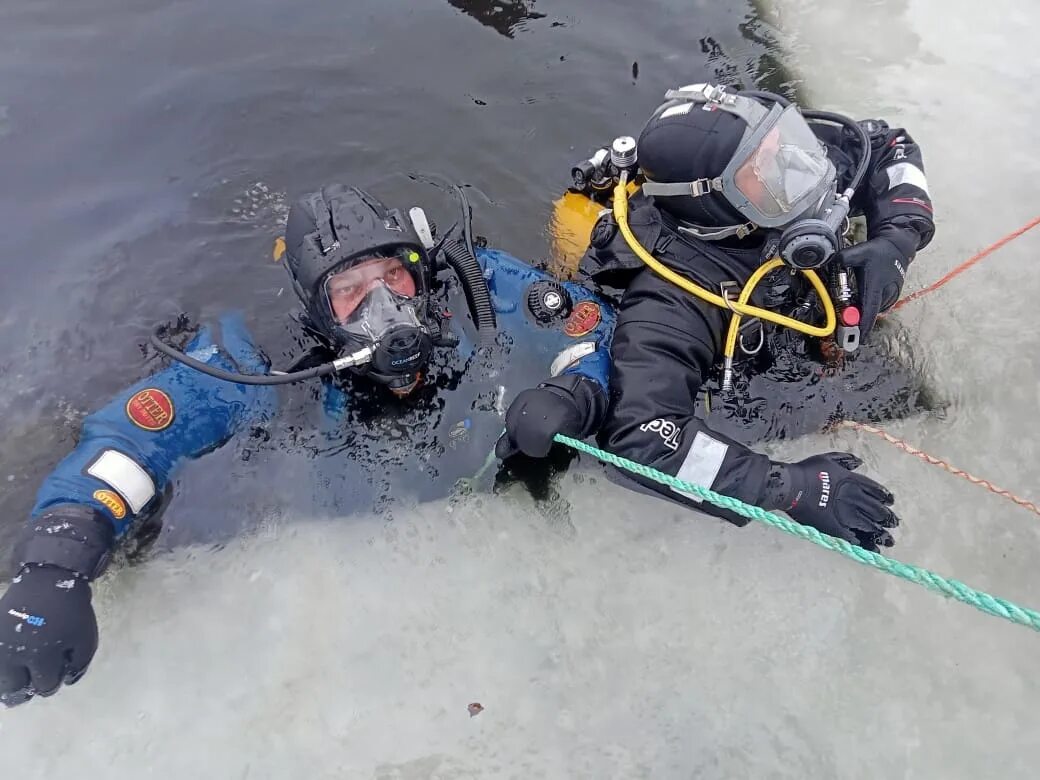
667 343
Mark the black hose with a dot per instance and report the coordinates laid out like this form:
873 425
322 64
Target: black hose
467 218
440 243
236 377
857 129
463 262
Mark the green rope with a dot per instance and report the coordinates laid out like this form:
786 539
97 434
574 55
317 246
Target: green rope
992 605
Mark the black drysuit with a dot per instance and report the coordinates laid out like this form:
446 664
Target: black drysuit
668 342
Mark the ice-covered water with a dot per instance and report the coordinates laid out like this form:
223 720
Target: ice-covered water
640 640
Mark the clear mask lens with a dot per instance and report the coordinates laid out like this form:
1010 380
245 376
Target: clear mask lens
787 167
346 290
381 311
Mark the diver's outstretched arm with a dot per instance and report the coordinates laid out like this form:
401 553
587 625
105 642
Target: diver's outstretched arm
125 458
664 344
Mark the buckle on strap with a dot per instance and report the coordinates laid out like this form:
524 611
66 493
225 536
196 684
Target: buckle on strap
704 186
694 189
700 93
745 230
716 235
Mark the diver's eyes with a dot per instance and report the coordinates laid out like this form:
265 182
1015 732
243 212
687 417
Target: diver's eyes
400 281
343 291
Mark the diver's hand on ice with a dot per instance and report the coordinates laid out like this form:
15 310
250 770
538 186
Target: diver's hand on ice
880 268
823 492
534 417
48 633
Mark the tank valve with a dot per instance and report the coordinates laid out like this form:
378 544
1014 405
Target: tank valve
623 152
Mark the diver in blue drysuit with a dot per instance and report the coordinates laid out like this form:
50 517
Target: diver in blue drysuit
425 363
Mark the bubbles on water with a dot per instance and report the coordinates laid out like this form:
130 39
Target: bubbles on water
261 206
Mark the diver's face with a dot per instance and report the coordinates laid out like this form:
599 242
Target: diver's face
347 289
749 176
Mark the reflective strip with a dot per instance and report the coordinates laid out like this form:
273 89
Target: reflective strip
702 464
125 476
906 173
679 110
570 356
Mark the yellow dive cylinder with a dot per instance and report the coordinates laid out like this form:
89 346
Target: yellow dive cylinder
570 228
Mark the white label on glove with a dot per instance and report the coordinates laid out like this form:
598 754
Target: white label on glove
702 463
125 476
570 356
906 173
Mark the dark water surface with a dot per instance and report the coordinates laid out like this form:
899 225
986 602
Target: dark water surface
147 155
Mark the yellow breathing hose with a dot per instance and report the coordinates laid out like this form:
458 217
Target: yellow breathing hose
740 307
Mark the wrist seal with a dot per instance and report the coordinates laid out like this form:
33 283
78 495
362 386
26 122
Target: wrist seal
71 537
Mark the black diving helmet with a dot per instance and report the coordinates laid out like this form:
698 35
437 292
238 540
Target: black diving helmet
727 163
365 279
715 156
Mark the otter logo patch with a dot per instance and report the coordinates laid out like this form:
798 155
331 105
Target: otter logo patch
150 409
583 319
112 502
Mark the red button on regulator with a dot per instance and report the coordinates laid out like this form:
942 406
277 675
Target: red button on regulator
850 316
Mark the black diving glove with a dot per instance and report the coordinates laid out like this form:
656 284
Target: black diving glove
823 492
534 417
880 268
48 633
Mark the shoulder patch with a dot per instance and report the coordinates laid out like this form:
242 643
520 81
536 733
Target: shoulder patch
150 409
584 319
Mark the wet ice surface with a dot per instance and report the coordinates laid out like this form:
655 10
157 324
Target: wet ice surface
647 642
646 645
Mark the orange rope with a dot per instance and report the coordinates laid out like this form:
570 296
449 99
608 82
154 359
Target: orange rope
967 264
908 448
